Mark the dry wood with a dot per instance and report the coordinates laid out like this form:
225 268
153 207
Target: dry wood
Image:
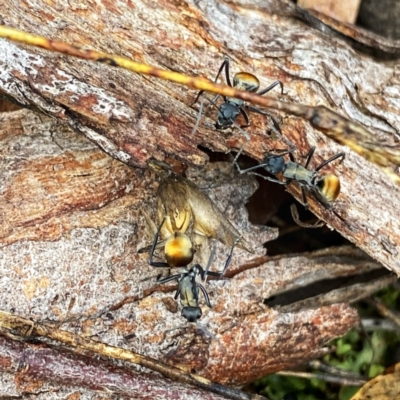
385 386
71 215
33 364
75 225
135 118
345 12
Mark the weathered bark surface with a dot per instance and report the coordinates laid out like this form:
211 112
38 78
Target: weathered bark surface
34 364
74 227
71 215
135 118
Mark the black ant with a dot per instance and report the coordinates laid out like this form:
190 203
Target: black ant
326 188
179 252
231 108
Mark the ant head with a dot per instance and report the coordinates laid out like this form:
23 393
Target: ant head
227 114
196 270
246 81
274 164
179 250
192 314
329 187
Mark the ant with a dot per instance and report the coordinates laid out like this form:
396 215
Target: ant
179 252
326 188
231 108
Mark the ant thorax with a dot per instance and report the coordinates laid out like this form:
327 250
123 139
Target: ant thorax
234 102
299 173
189 293
227 114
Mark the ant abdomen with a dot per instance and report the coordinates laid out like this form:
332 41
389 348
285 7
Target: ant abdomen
329 187
246 81
179 250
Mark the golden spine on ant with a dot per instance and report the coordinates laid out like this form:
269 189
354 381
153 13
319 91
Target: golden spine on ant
179 250
329 187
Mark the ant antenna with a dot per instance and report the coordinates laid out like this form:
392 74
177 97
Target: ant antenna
244 133
200 113
239 153
296 218
198 119
210 261
153 247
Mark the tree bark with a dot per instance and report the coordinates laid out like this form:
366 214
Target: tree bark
71 215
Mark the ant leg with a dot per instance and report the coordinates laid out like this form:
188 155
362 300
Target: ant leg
296 218
229 259
309 156
276 127
336 156
148 248
175 277
204 273
225 65
216 274
239 127
281 152
270 87
246 117
242 131
212 102
258 111
227 263
304 197
178 292
237 156
200 112
197 97
205 294
153 247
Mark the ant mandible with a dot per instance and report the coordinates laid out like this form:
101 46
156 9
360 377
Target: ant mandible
179 252
231 108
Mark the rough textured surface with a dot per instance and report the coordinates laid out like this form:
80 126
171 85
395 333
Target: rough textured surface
336 9
34 364
81 247
135 118
71 216
380 17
